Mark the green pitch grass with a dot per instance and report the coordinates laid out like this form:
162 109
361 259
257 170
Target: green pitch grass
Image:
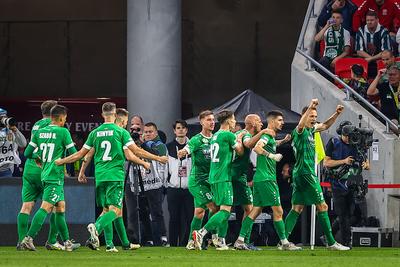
181 257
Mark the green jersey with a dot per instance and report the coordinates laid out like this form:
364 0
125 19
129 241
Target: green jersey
109 141
222 147
30 165
52 141
266 167
304 151
199 149
240 164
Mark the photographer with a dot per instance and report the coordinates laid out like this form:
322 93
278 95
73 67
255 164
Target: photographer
344 164
10 139
153 183
180 201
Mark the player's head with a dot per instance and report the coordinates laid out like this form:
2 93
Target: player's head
150 131
122 116
275 120
207 120
108 111
253 121
58 115
226 117
46 106
180 128
312 117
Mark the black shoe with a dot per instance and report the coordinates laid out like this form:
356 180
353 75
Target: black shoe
91 244
165 243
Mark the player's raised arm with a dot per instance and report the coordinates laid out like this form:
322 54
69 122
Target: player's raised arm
328 123
302 123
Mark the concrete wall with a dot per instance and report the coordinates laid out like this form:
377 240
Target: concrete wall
310 84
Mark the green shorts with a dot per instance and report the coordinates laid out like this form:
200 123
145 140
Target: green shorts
53 192
32 187
266 194
109 193
307 194
201 193
222 193
242 194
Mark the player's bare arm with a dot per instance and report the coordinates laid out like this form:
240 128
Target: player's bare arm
85 163
72 158
133 158
328 123
250 143
146 155
302 123
259 149
287 138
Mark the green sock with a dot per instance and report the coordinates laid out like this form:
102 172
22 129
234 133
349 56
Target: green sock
245 230
109 235
223 229
62 226
120 227
37 222
217 220
195 225
52 237
290 222
106 218
326 227
22 223
280 229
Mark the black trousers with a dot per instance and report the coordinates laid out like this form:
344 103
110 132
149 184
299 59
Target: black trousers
180 207
343 204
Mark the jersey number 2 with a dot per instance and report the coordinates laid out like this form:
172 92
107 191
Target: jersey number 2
107 148
47 157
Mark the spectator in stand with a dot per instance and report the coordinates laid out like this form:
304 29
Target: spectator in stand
180 201
388 60
337 41
371 40
388 92
346 7
357 81
387 11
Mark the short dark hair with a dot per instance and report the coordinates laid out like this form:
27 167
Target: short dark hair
151 124
205 113
337 12
305 109
108 107
371 13
224 115
57 111
181 122
46 106
121 112
273 114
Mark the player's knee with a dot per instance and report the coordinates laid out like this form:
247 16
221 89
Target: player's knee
27 207
60 206
247 209
199 213
322 207
48 207
115 210
278 213
298 208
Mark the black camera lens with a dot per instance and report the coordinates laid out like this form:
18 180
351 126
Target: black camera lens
135 130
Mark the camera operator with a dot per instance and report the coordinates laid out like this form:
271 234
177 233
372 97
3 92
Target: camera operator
180 201
154 181
10 139
344 172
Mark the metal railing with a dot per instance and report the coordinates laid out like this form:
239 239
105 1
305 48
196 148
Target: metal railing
302 51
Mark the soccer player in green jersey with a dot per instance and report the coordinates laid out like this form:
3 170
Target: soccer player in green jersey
242 194
266 191
51 141
223 145
199 149
121 120
32 187
306 187
111 145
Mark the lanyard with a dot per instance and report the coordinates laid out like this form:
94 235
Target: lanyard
395 96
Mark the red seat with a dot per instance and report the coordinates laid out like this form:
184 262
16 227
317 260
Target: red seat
343 67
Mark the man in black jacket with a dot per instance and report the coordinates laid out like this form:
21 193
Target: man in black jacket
180 201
